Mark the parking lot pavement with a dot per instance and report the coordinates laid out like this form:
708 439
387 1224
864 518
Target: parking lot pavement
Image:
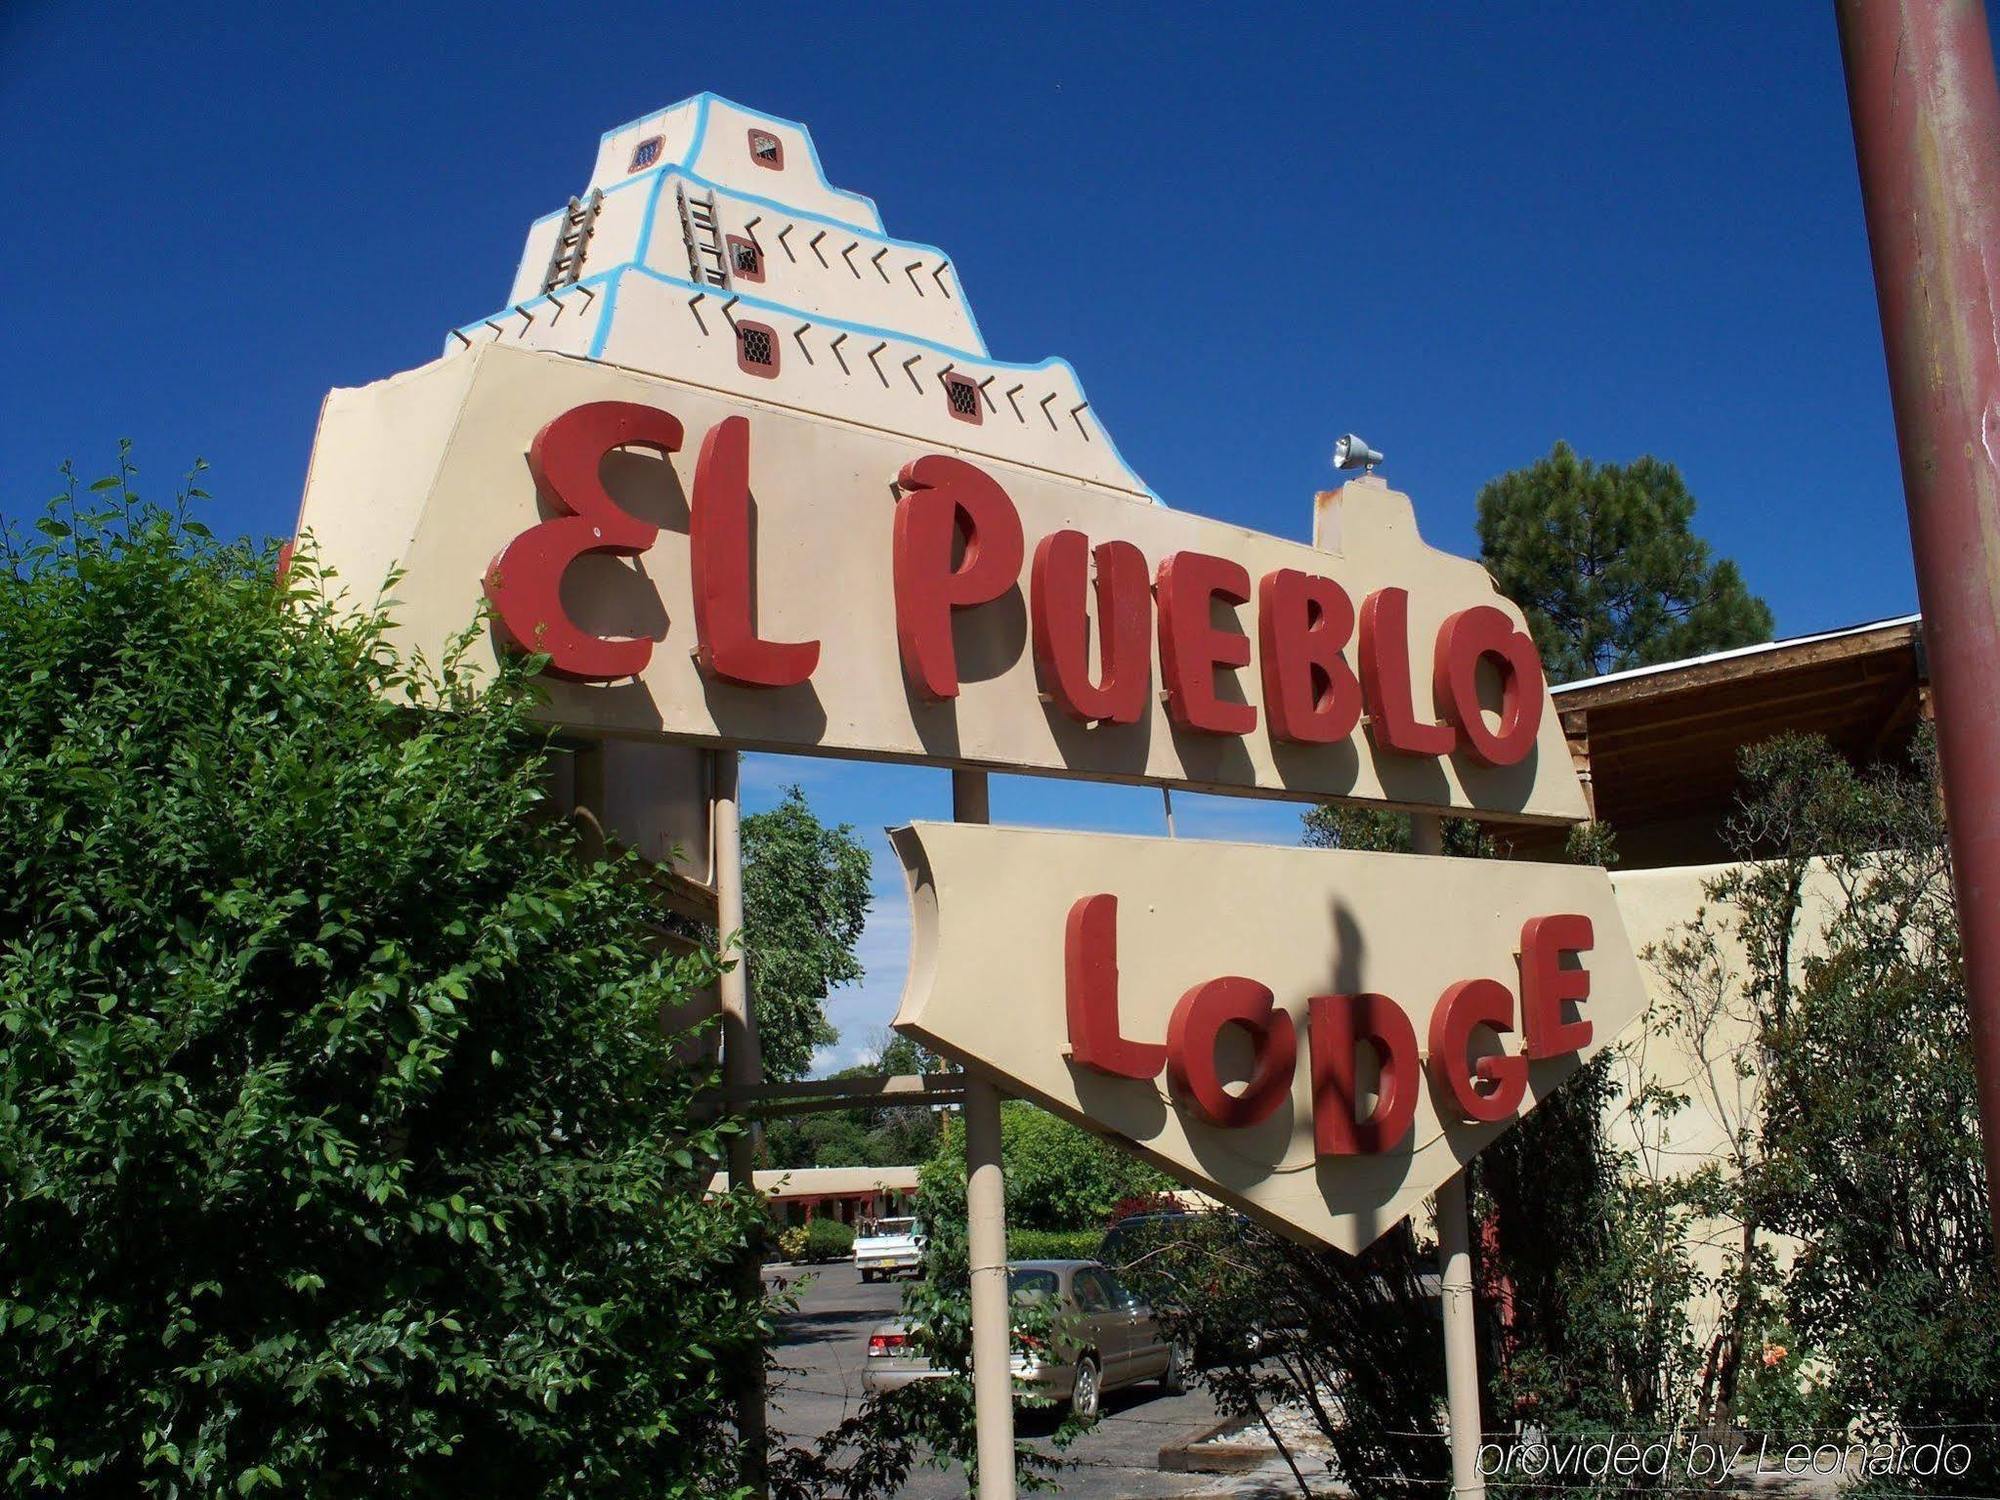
824 1344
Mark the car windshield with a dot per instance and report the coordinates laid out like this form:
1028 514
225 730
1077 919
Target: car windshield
1031 1284
895 1226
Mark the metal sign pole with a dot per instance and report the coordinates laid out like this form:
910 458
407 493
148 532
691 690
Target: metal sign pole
742 1070
1454 1227
986 1239
1926 111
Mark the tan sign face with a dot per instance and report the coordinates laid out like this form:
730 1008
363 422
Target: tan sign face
1318 1037
713 570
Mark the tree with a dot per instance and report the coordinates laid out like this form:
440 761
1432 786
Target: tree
1059 1176
1604 561
891 1136
1340 825
1868 1138
342 1149
805 901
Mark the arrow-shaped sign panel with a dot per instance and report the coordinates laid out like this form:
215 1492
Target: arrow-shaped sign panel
1318 1037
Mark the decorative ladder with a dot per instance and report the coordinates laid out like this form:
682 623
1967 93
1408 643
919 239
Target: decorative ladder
572 239
706 264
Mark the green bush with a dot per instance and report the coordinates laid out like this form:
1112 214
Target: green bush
342 1151
828 1239
1053 1244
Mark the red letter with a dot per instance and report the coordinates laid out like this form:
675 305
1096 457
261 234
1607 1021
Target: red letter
1062 644
1090 991
1339 1025
719 536
1470 1003
1303 621
1199 1017
1466 637
1546 984
943 494
1385 679
1191 648
524 582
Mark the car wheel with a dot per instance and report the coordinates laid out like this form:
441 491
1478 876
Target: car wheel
1174 1379
1085 1394
867 1275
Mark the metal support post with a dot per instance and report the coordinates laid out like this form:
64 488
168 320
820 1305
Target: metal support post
986 1239
1461 1345
742 1069
1454 1229
1926 112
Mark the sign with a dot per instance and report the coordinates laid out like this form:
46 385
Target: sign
1318 1037
711 569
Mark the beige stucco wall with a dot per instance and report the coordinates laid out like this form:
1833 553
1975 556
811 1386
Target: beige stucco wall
1707 1053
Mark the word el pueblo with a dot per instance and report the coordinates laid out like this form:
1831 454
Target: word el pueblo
958 545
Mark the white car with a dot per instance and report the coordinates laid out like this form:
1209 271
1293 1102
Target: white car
889 1246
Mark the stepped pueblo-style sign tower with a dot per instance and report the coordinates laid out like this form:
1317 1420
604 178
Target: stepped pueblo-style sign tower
710 247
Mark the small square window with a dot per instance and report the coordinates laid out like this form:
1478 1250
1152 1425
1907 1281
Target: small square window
961 394
757 348
645 153
746 261
767 150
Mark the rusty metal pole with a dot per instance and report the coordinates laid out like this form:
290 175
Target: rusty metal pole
986 1239
742 1069
1926 112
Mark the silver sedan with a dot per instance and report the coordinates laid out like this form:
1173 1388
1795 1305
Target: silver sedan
1102 1337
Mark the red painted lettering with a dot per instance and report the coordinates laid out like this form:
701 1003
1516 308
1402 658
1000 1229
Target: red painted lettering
524 582
1192 648
1466 639
1385 679
1303 623
719 537
1546 983
1090 993
942 497
1455 1079
1339 1024
1198 1020
1057 582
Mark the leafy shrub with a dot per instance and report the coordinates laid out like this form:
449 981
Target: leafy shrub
792 1243
1053 1244
341 1148
1059 1176
828 1239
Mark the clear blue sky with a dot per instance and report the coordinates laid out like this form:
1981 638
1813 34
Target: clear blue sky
1634 227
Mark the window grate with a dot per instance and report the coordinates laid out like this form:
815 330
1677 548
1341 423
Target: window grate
767 150
645 153
757 348
745 259
962 395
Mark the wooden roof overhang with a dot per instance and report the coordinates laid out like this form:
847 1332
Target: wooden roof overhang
1660 745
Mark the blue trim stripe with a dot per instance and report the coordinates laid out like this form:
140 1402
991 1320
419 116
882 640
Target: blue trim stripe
700 137
645 240
602 331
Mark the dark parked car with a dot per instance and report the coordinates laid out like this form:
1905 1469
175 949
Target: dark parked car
1102 1337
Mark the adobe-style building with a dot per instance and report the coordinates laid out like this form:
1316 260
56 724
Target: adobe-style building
1658 752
